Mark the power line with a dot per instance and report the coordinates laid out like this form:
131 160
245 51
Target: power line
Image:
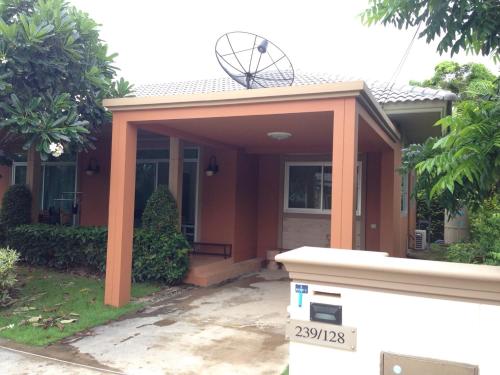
392 81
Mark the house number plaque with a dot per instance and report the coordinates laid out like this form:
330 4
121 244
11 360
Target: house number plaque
314 333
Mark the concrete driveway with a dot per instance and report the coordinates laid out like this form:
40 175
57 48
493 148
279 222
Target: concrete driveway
235 328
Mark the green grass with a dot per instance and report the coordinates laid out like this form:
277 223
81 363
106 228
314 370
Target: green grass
57 295
285 372
436 252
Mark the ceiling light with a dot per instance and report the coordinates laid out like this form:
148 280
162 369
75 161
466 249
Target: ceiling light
279 136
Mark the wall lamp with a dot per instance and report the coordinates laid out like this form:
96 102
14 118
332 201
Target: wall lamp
212 168
93 167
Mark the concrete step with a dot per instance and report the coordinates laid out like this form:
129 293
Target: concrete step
209 266
223 271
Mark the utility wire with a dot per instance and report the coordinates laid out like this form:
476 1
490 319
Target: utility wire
392 81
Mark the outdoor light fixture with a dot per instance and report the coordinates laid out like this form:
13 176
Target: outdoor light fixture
279 136
92 168
262 48
212 168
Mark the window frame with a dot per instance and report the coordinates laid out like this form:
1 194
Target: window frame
359 188
314 211
43 165
405 192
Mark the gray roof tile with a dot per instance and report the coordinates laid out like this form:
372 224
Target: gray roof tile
382 92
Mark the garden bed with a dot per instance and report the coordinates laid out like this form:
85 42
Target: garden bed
51 305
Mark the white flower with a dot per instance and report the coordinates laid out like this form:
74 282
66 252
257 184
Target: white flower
56 149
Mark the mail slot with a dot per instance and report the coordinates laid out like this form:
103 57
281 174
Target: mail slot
395 364
321 312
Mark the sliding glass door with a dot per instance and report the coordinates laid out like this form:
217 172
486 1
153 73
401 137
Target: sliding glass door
152 171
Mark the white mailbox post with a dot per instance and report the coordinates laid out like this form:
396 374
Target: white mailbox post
364 313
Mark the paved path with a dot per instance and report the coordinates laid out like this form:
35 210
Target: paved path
23 362
236 328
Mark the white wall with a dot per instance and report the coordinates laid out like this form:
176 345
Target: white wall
439 328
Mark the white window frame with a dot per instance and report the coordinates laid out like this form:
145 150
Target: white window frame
359 188
44 164
13 170
189 160
316 211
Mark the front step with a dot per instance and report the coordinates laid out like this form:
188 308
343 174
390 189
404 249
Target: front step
216 272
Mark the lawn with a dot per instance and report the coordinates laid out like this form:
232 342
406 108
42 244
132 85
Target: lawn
53 305
436 252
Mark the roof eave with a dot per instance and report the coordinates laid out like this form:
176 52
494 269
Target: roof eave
320 91
277 94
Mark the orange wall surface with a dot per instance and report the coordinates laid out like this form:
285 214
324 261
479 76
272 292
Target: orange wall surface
5 173
218 197
245 236
372 206
268 204
95 188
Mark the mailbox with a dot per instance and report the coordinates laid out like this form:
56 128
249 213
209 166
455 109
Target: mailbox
364 313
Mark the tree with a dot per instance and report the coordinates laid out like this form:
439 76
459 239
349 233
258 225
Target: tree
467 81
54 74
472 25
461 168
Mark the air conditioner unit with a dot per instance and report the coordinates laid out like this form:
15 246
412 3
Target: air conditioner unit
420 239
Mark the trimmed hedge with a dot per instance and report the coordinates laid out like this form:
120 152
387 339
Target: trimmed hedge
156 257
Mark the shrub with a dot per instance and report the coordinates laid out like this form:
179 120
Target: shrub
59 246
16 206
466 252
159 257
160 213
156 257
8 259
485 236
485 225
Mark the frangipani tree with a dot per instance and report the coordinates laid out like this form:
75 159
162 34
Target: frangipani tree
54 74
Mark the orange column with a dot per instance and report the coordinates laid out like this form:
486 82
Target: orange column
390 203
121 213
344 158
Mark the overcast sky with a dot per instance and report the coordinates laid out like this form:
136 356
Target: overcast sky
161 40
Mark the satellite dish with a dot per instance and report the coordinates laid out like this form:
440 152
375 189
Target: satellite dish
253 61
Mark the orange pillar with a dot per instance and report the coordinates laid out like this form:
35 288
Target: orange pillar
390 203
344 158
121 213
175 173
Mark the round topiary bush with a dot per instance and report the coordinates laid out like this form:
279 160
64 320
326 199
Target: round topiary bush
158 257
161 214
16 206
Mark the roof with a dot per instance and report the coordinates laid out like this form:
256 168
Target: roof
383 92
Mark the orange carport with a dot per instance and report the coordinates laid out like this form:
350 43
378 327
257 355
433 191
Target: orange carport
241 204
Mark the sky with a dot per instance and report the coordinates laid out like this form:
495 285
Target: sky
164 40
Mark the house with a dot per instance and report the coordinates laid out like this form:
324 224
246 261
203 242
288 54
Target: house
313 164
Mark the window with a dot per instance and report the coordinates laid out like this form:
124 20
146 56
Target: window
308 187
58 180
404 194
153 169
359 187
